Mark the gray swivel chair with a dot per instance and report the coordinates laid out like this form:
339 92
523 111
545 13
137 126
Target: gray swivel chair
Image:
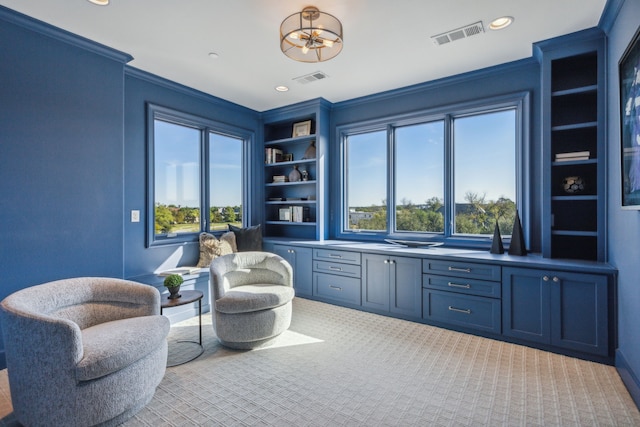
251 295
83 351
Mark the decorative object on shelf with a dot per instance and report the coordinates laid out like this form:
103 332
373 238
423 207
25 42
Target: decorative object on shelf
284 214
295 175
279 178
172 282
287 157
573 184
517 246
629 78
301 129
310 152
305 175
496 245
311 36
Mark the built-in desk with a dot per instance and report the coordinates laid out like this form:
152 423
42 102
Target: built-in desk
565 306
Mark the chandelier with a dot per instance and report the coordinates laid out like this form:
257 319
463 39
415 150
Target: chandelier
311 36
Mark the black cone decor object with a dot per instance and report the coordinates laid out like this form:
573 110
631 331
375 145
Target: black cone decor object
496 245
517 246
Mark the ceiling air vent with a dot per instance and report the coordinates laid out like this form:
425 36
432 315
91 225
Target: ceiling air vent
458 34
318 75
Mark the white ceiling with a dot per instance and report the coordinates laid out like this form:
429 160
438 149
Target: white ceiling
387 44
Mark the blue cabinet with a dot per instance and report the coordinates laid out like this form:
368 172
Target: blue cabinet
336 276
462 294
392 284
300 259
562 309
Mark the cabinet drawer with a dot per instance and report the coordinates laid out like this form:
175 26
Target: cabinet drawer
462 285
463 310
337 288
340 256
462 269
351 270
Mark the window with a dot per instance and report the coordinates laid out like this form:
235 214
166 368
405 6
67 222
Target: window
484 172
448 175
366 155
195 166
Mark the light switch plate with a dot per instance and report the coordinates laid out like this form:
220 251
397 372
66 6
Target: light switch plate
135 216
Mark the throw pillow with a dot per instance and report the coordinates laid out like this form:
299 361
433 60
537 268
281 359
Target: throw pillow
211 247
248 239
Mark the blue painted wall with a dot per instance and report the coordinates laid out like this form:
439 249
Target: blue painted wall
623 225
140 89
61 159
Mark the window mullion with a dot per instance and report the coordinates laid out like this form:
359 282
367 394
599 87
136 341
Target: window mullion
448 177
204 181
391 193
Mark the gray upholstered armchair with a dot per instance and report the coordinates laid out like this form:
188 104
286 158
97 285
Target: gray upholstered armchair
83 351
251 294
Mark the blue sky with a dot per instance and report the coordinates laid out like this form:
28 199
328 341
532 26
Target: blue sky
484 159
177 167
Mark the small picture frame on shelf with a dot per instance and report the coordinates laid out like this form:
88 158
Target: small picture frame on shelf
301 128
285 214
287 157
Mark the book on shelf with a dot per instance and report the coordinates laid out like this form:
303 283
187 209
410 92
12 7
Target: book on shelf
572 159
300 213
296 213
280 178
574 155
180 271
272 155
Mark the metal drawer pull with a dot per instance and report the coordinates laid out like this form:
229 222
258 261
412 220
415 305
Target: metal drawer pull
460 310
464 270
335 268
455 285
337 288
335 256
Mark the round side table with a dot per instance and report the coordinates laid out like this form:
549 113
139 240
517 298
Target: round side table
187 297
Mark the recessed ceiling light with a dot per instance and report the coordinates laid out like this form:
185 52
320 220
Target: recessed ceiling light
500 23
99 2
213 55
282 88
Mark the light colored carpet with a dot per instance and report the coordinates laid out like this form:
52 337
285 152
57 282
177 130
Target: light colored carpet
342 367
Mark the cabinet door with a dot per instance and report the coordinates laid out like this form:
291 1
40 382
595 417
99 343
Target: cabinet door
405 286
567 310
375 281
579 312
301 261
525 304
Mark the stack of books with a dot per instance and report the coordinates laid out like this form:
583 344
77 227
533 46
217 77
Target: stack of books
575 155
272 155
280 178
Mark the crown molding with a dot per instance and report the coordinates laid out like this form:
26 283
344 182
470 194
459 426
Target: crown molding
48 30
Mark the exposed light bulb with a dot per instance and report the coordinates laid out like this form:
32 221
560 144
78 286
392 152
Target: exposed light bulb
294 36
327 43
305 49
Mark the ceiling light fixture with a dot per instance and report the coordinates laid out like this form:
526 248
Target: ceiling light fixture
282 88
500 23
99 2
311 36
